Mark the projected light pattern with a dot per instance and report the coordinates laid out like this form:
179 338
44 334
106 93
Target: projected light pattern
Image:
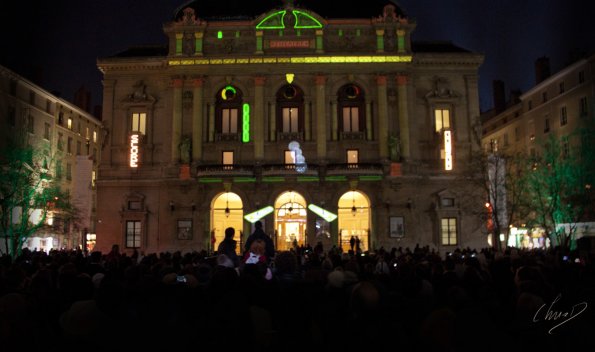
299 159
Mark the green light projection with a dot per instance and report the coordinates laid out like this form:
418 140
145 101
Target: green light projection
259 214
323 213
276 20
273 21
246 123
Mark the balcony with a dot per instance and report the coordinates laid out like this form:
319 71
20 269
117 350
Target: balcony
354 169
288 170
352 136
224 170
227 137
290 136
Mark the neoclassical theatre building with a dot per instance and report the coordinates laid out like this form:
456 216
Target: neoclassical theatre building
322 121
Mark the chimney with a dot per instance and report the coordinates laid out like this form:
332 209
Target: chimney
542 69
499 101
82 99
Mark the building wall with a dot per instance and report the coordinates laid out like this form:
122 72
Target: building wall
29 102
401 93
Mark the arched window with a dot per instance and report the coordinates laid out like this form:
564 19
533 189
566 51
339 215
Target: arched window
290 113
228 124
351 105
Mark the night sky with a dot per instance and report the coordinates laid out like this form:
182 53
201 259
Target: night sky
56 43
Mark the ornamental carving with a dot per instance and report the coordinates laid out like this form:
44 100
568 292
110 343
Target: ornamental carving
389 15
441 89
139 94
188 19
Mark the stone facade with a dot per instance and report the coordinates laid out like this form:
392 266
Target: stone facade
225 99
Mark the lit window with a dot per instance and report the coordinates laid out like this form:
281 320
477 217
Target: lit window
289 157
353 156
229 121
93 178
290 120
350 119
69 123
133 233
227 160
87 133
442 119
94 136
139 121
449 231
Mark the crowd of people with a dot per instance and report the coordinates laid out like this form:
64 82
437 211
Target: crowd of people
254 298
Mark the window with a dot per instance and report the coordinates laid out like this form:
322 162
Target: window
48 106
290 120
58 170
442 119
583 107
530 105
69 126
544 96
505 139
351 104
60 118
13 87
227 160
565 147
352 157
494 145
78 147
78 127
32 97
447 202
134 205
290 112
31 124
561 86
95 154
12 116
581 77
133 232
449 231
87 133
351 119
517 134
69 171
229 121
563 116
69 146
139 121
60 142
93 178
94 136
546 125
47 132
289 157
185 229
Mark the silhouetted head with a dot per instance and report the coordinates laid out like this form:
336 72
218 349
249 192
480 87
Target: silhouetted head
229 232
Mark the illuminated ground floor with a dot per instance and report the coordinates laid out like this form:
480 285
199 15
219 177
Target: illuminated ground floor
188 215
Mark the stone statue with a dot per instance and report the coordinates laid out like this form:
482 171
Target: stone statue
395 148
185 145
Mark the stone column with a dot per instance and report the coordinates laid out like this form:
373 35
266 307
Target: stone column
335 122
307 121
320 81
382 117
403 115
176 120
197 118
211 112
258 118
273 122
369 131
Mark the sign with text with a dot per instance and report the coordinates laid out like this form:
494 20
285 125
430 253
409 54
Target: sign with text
134 150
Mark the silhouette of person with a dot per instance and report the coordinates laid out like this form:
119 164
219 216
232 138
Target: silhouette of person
260 234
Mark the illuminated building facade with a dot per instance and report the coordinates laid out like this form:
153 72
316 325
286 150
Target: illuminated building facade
323 122
559 104
70 138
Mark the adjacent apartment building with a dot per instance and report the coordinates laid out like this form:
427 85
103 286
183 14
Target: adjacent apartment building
558 104
70 138
321 120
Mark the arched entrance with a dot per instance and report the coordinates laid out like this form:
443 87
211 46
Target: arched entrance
226 211
290 220
354 220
